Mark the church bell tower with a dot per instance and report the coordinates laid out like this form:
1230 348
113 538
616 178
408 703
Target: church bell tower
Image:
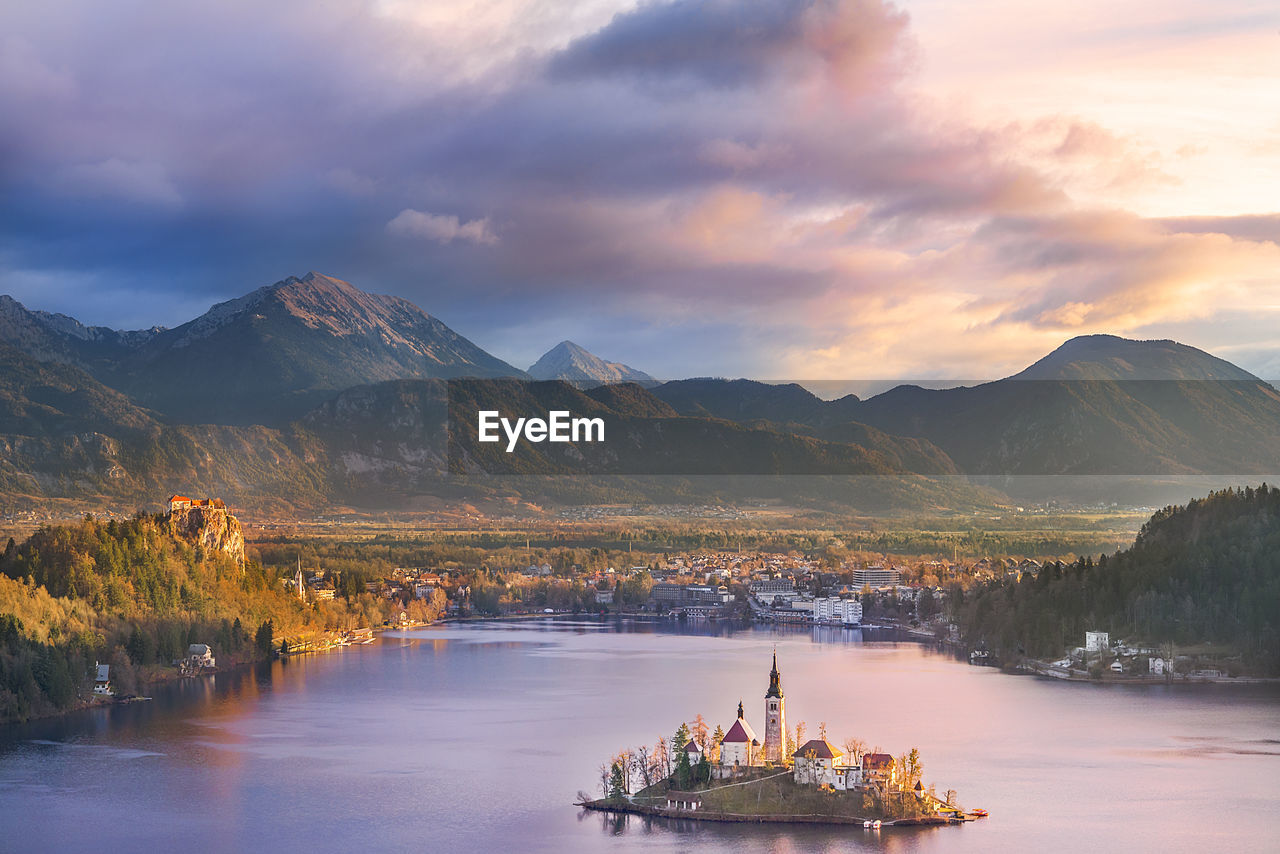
775 718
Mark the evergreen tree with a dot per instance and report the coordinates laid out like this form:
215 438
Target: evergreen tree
264 639
616 782
684 771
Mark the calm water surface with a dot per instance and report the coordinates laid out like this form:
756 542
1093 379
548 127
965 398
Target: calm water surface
478 738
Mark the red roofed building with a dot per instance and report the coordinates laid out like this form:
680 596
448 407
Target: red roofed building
879 768
815 762
178 503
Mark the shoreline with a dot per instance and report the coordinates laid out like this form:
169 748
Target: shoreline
1044 670
1028 667
737 818
162 676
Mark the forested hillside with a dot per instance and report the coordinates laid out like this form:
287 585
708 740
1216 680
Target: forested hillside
1206 572
133 595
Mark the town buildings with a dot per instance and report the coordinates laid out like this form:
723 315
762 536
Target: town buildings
875 577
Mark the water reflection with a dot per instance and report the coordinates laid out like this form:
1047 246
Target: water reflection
477 738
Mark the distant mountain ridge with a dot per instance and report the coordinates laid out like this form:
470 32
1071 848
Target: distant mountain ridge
264 358
1098 404
1109 357
567 361
53 337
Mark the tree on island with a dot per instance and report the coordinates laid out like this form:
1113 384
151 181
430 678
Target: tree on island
699 731
915 770
702 773
683 771
662 752
605 774
617 782
644 765
681 739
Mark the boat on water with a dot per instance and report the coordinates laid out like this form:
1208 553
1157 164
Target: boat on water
976 813
982 657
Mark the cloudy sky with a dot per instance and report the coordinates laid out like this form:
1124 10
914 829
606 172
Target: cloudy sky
778 189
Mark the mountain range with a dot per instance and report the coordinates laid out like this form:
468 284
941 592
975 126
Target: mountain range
310 392
264 358
1098 405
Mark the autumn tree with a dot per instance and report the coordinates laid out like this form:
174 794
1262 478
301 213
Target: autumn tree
915 770
605 773
643 763
662 752
699 731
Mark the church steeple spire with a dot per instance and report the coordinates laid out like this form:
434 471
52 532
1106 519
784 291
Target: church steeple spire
741 714
775 679
775 718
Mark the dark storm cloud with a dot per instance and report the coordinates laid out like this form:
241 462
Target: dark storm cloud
718 42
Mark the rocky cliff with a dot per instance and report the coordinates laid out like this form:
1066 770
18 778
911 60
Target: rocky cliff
211 527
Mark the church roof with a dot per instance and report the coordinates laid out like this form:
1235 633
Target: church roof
692 747
740 731
822 749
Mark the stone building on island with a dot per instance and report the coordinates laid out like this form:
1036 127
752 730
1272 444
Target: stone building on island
815 763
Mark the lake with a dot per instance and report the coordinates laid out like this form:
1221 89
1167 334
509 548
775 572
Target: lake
478 738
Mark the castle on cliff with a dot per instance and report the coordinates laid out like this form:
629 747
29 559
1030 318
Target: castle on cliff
207 522
182 502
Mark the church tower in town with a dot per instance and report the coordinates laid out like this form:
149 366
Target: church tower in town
775 718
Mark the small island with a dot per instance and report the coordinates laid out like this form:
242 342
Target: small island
734 777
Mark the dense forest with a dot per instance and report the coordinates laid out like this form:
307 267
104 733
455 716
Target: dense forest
133 595
1206 572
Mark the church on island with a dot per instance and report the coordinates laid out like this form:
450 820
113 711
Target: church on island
817 762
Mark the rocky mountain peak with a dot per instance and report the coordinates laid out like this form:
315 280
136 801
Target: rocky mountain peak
570 362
